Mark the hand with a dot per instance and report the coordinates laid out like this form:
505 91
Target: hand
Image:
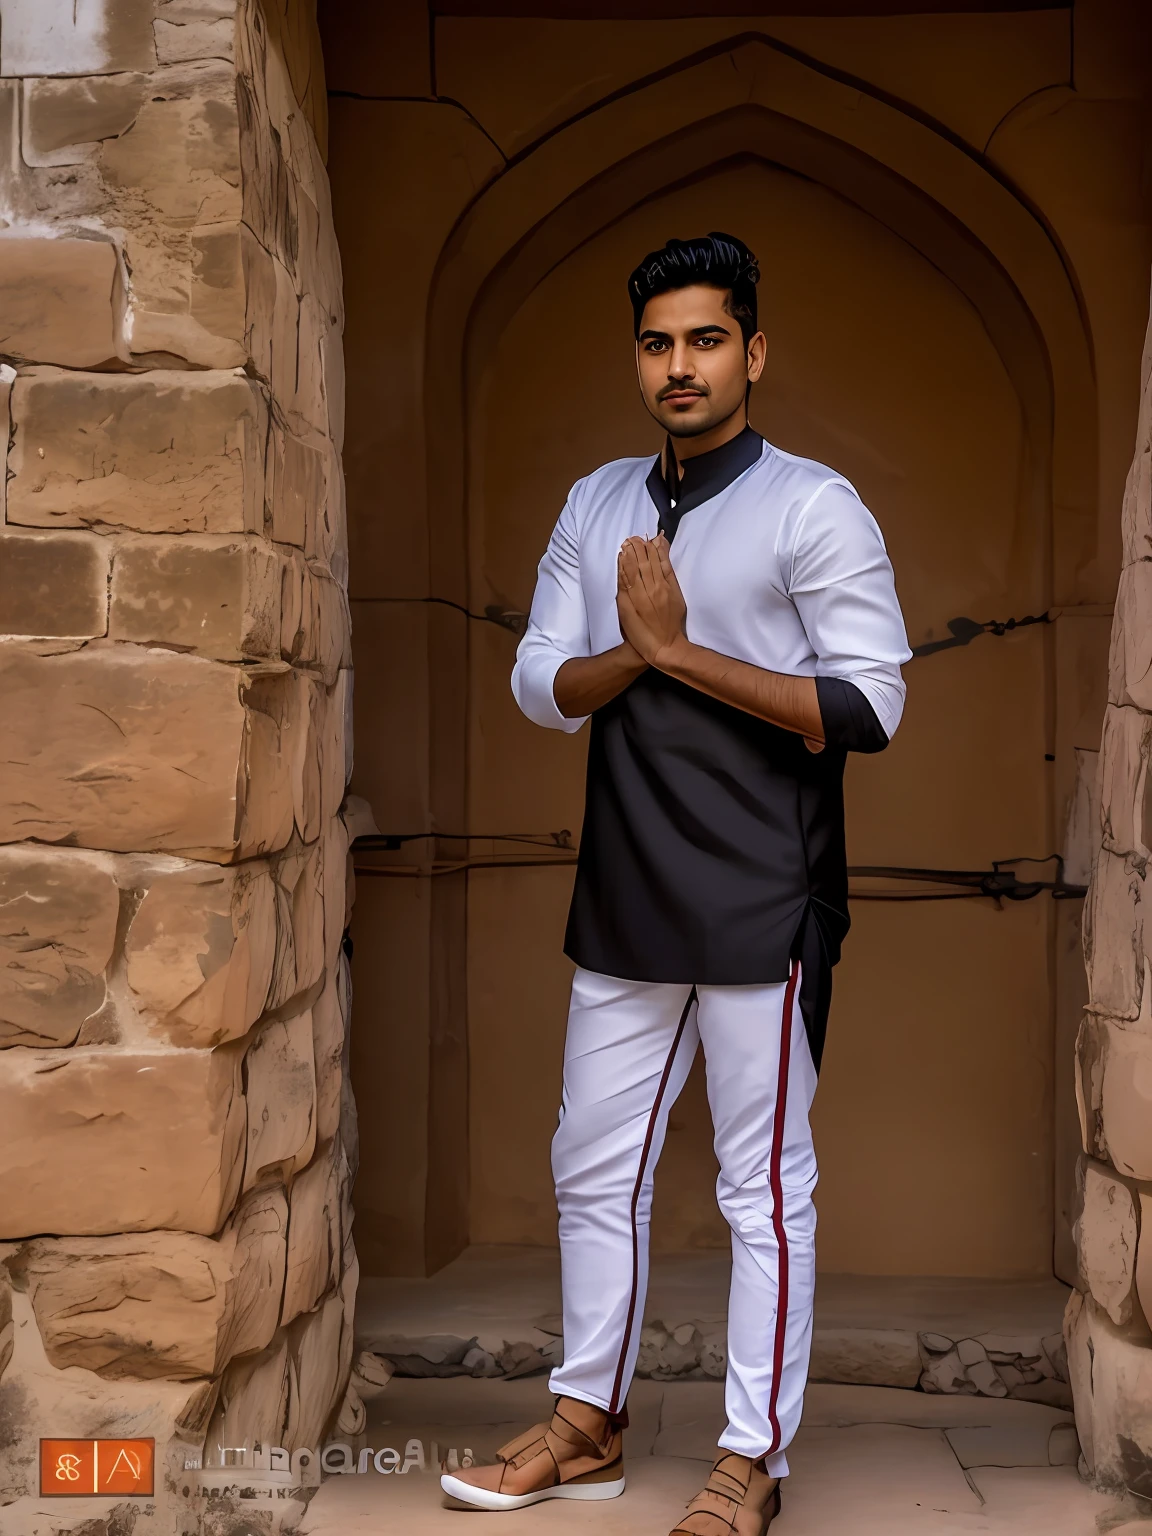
649 601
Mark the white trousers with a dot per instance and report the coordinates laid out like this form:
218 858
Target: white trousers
626 1058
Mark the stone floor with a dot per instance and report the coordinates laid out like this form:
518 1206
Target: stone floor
506 1292
872 1461
867 1328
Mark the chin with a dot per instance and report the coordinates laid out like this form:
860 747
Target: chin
690 425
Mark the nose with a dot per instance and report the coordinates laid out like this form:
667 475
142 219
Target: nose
681 365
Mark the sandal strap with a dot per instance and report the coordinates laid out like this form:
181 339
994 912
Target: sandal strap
551 1440
722 1497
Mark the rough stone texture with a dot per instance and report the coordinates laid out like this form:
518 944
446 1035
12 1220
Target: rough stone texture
200 952
281 1097
58 916
1113 936
209 594
1125 1103
316 1231
162 1303
76 1403
1112 1386
1109 1339
53 584
58 298
174 687
164 1132
1106 1232
317 1371
160 452
105 741
253 1403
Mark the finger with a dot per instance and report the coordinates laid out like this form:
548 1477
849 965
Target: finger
644 561
664 558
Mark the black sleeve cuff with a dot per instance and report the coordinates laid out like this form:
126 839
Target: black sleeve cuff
849 720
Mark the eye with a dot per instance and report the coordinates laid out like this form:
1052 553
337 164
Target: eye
655 346
708 342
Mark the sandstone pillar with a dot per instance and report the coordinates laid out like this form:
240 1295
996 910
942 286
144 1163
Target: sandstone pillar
1109 1315
179 1141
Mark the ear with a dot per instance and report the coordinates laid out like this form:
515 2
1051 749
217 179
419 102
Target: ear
757 353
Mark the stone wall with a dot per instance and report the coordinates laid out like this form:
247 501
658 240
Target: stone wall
1108 1320
179 1139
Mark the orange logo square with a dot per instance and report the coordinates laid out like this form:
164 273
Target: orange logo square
82 1468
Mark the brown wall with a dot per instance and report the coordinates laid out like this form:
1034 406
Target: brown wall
970 364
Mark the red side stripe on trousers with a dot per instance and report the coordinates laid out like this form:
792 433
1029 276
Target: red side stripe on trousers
614 1405
777 1188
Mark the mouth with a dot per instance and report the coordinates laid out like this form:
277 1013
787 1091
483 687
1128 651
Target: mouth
681 397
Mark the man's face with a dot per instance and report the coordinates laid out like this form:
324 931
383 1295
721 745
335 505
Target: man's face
694 368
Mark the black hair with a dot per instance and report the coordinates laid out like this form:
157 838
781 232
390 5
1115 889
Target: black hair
716 260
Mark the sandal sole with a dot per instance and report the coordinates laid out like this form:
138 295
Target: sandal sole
472 1497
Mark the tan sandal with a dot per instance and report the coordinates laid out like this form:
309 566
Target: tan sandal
558 1460
739 1499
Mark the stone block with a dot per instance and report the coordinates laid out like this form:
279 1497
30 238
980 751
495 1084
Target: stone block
61 37
315 627
1119 1098
78 1404
338 889
282 782
1111 1389
66 120
297 486
329 1038
1136 516
200 951
1127 746
58 915
315 1231
167 1304
252 1408
60 300
204 38
53 584
1091 1042
1134 631
161 452
209 593
1105 1230
882 1357
103 1139
1144 1258
316 1379
105 743
175 176
1114 937
281 1098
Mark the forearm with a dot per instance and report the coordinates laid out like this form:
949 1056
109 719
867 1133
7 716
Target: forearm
584 683
783 700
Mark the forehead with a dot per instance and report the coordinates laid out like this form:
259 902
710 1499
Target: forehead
686 309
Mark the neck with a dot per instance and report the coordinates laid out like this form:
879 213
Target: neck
723 432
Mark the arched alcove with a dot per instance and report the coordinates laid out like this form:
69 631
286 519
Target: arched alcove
756 109
882 367
982 247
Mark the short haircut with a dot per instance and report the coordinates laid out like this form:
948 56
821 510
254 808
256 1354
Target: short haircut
716 260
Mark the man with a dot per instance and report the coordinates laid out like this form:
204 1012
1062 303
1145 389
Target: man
727 619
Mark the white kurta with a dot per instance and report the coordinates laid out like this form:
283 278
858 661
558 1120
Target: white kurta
785 568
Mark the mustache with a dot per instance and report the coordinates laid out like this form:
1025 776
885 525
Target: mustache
682 389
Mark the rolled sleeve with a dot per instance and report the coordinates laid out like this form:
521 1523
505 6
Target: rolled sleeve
842 585
557 628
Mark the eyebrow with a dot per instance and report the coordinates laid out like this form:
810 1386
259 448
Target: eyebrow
699 330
